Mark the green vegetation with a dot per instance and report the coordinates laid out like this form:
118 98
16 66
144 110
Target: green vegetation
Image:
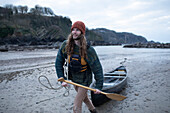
5 31
40 24
38 10
92 36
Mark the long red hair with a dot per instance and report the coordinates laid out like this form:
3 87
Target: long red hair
82 47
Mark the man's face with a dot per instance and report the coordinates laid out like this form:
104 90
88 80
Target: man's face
76 33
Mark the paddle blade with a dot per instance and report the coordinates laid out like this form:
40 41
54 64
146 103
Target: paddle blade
115 96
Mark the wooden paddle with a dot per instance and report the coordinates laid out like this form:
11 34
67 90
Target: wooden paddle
109 95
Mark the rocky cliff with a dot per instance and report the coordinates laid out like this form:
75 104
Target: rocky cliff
112 37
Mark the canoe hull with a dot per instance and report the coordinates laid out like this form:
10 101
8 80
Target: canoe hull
115 85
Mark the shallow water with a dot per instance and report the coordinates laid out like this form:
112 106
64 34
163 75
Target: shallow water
23 60
113 55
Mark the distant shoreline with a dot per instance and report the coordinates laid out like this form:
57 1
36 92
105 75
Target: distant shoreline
148 45
6 48
22 48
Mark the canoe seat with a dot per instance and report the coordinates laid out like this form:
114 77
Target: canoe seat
114 76
116 73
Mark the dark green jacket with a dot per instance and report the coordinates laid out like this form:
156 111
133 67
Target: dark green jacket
84 78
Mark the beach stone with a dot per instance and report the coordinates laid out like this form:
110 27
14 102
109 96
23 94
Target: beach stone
147 99
136 94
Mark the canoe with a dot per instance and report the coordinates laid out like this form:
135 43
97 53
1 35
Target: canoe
114 82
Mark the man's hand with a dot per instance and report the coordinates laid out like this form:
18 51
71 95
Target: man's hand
64 84
97 91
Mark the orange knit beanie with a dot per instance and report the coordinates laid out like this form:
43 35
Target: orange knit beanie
80 25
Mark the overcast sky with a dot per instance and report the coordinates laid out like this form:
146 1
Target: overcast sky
148 18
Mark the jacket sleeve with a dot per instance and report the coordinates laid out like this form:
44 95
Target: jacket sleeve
96 67
60 59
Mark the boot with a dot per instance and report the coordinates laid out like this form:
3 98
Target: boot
93 111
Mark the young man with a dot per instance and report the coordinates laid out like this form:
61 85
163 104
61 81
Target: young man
82 61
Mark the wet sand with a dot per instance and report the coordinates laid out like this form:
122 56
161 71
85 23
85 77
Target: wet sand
148 88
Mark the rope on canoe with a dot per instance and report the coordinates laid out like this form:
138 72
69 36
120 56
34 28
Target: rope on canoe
66 93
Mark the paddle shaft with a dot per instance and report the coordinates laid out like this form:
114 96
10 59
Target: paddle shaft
79 85
85 87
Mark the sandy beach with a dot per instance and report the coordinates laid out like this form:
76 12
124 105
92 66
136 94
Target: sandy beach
148 89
